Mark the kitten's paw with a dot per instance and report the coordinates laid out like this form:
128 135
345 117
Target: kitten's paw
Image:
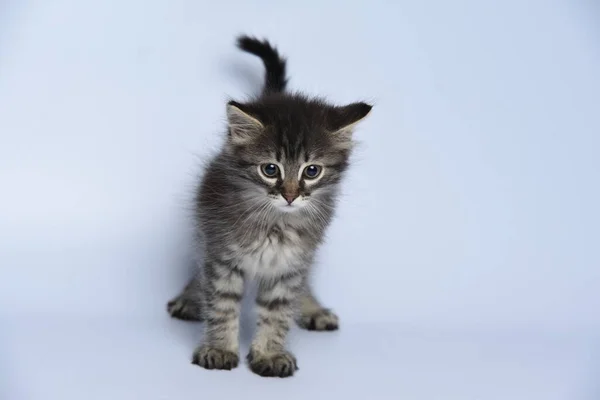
281 364
320 320
214 358
186 308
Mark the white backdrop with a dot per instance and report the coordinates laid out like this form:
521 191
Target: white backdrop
470 215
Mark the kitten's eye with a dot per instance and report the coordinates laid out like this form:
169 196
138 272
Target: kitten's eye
312 171
269 170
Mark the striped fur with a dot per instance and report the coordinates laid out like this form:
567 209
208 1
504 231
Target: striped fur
266 227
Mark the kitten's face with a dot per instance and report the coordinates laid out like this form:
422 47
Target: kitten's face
292 182
291 175
292 155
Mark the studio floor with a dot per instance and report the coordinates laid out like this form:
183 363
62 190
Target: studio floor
106 358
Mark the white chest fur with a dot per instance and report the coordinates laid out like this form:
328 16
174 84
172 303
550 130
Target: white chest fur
271 254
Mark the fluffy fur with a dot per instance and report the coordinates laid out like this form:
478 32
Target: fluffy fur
262 209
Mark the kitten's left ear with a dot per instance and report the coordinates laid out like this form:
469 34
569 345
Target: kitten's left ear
242 126
343 119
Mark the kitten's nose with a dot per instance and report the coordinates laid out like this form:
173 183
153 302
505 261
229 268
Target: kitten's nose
290 197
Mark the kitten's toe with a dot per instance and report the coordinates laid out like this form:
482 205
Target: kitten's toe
280 365
320 320
214 358
186 308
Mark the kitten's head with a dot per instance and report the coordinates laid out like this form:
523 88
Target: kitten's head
291 149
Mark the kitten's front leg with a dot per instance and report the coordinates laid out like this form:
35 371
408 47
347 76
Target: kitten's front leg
277 303
222 294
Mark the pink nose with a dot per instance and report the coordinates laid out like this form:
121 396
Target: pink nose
290 197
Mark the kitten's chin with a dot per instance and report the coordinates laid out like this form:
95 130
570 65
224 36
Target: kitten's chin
289 208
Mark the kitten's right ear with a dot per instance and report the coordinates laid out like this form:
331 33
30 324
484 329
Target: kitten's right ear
243 127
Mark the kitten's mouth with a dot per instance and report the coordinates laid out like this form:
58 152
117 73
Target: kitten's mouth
291 207
286 206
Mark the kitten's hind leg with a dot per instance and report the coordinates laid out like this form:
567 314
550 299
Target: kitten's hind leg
188 304
314 317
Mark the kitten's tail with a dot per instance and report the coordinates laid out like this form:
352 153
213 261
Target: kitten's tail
275 75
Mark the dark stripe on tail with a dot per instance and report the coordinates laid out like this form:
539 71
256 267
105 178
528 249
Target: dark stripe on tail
275 75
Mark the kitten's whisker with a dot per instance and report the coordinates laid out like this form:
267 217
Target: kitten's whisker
322 203
256 213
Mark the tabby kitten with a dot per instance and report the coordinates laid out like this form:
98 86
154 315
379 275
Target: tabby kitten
262 209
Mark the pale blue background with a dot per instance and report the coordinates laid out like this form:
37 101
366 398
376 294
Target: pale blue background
465 260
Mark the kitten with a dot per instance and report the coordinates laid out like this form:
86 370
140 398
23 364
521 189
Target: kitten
262 207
